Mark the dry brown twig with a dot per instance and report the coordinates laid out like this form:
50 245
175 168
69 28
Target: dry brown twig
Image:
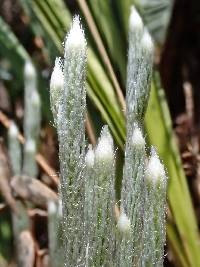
189 103
90 130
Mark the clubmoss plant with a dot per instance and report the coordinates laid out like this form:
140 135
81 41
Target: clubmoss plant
68 106
92 235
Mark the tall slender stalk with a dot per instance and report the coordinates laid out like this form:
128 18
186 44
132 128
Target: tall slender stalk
20 220
70 118
154 212
140 60
56 251
102 245
31 124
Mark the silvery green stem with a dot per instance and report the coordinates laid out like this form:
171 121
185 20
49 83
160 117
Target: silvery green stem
71 135
20 221
32 106
89 188
56 251
99 203
132 194
32 119
89 208
14 149
101 246
139 68
155 211
132 200
29 164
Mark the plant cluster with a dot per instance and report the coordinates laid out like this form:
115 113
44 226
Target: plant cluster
95 232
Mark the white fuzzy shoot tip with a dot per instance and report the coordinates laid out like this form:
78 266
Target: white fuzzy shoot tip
13 130
76 37
29 70
30 146
135 21
137 138
104 149
57 77
155 171
89 158
52 207
147 42
123 223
